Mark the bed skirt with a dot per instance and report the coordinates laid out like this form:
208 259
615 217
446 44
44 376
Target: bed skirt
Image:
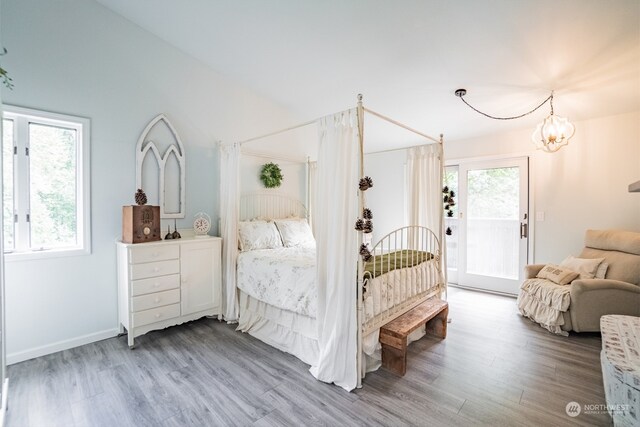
283 329
294 333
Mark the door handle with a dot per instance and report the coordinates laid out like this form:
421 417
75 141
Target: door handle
524 228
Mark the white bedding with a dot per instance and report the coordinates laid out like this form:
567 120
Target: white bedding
389 289
279 293
284 278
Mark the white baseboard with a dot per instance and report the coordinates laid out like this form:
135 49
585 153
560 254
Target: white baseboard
3 409
59 346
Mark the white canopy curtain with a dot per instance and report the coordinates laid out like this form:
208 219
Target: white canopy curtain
312 190
229 207
424 185
337 248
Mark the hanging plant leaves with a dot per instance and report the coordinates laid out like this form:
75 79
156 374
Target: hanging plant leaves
6 80
271 175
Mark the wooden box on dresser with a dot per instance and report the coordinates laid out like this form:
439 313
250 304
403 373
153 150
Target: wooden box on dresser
165 283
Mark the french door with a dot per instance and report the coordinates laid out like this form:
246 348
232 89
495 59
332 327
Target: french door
491 223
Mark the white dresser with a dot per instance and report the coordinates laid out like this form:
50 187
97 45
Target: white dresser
165 283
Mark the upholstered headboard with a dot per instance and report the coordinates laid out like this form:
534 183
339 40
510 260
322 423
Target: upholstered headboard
270 205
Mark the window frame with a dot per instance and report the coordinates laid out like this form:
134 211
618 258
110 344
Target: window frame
21 118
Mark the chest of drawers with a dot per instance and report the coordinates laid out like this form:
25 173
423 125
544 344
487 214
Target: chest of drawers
161 284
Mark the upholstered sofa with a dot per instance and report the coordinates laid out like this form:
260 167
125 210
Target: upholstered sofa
579 305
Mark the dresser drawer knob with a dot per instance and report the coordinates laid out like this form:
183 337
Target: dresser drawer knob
157 299
156 269
156 285
158 315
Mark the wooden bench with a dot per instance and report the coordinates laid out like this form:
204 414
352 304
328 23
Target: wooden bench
393 335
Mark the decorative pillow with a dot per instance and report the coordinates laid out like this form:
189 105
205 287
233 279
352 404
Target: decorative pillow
255 235
557 274
296 232
602 270
585 267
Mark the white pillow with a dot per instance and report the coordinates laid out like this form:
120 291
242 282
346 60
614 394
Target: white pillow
296 232
255 235
602 270
585 267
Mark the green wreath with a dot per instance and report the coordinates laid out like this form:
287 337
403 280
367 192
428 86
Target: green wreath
271 175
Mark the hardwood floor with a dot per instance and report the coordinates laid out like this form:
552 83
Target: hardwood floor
494 368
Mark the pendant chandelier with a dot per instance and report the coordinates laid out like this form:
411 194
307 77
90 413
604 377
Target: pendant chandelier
551 135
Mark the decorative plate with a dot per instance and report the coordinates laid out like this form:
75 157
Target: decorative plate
201 224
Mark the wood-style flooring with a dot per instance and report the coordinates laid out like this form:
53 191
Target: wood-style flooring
494 368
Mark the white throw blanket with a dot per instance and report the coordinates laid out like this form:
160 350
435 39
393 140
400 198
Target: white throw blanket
544 302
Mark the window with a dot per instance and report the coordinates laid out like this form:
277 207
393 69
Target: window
45 171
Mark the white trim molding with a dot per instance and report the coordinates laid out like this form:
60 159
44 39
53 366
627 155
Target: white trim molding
32 353
22 118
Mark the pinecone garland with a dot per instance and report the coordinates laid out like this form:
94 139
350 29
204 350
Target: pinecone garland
365 183
445 189
450 213
448 232
364 252
141 198
367 214
368 226
359 224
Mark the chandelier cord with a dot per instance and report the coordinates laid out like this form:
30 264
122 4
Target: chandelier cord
550 98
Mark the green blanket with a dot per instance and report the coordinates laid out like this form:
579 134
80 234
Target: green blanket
390 261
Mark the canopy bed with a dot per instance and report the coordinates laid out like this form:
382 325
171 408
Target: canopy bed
324 298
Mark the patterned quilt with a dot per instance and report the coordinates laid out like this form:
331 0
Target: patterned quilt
282 277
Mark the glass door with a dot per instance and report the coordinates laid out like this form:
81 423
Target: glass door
493 224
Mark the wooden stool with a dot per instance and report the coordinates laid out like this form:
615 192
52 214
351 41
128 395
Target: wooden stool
393 335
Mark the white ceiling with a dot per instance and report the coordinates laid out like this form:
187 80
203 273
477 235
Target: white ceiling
408 56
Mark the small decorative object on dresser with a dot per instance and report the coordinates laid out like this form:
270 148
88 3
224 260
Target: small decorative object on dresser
167 283
202 224
140 223
175 234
